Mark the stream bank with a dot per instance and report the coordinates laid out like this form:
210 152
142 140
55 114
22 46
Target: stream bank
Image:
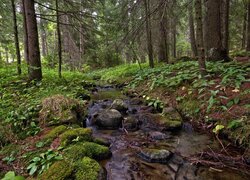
144 147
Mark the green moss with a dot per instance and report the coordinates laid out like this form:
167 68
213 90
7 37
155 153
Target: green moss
60 170
90 149
87 169
77 135
107 95
101 141
55 132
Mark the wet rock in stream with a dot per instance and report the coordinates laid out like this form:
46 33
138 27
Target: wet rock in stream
119 105
108 119
155 155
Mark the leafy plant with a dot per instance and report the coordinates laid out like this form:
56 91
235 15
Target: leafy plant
156 103
43 162
9 159
218 128
234 124
11 176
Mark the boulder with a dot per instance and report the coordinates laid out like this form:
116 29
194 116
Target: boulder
119 105
156 135
130 123
108 119
155 155
59 109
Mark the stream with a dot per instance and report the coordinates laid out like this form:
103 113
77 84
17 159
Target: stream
144 151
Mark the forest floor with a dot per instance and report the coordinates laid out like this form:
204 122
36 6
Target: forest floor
218 105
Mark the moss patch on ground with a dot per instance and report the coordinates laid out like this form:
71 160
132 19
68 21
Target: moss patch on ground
90 149
76 135
87 169
60 170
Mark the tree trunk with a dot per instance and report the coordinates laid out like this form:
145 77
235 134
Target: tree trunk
225 24
59 42
25 35
33 41
199 37
173 28
19 71
149 33
192 32
248 26
244 29
214 41
6 55
163 38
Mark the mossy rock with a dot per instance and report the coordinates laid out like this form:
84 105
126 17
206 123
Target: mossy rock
60 170
113 94
89 149
170 122
77 135
58 109
88 169
55 132
101 141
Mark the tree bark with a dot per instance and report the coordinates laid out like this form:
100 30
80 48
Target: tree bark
248 26
199 37
149 33
33 41
214 41
7 55
59 42
25 35
173 28
192 32
163 38
225 24
244 29
19 71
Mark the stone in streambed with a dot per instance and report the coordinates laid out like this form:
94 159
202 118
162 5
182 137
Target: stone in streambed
108 119
119 105
155 155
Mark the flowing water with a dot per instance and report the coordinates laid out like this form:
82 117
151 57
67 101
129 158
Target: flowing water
126 162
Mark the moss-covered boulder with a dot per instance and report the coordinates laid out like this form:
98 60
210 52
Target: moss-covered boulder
89 169
60 170
76 135
155 155
55 132
58 109
89 149
119 105
157 122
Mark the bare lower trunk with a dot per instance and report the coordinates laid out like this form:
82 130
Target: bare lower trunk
33 42
25 35
19 71
214 41
149 33
59 42
6 55
163 38
244 28
225 24
248 27
192 32
199 37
